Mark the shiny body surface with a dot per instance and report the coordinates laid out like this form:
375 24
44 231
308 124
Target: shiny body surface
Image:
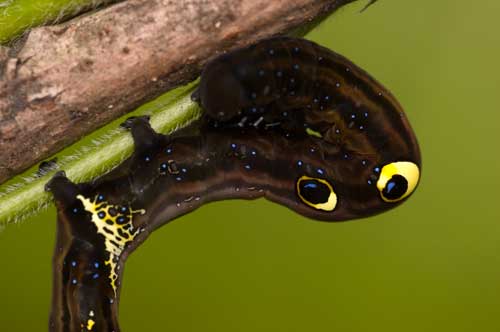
285 119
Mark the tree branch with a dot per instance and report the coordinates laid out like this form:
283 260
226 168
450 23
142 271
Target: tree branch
62 82
26 196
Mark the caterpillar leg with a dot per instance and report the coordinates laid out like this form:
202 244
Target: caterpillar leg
195 96
144 136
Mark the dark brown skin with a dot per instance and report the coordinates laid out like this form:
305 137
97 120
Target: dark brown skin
286 120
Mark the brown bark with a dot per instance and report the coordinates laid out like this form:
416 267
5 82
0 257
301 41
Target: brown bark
64 81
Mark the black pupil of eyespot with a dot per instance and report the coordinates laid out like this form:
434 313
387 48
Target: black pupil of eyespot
395 187
314 191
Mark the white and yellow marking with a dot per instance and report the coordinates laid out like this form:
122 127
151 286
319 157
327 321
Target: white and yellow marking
114 247
90 324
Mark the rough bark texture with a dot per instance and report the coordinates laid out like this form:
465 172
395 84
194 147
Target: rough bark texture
64 81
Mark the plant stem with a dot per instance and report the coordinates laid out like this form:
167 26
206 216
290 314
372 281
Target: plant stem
25 195
16 16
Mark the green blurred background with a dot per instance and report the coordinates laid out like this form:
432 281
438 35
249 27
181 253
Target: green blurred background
432 264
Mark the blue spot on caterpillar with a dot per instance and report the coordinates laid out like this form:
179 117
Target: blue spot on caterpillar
285 119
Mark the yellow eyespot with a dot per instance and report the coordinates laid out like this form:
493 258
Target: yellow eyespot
397 180
317 193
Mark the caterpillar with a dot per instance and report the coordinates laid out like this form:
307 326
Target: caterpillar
284 119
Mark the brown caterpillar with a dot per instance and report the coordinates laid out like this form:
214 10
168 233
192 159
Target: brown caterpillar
286 119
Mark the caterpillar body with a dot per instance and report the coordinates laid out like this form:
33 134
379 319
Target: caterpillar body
285 119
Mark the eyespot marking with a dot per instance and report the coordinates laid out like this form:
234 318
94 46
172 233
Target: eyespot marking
397 180
317 193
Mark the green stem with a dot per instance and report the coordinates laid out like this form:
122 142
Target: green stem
96 154
16 16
